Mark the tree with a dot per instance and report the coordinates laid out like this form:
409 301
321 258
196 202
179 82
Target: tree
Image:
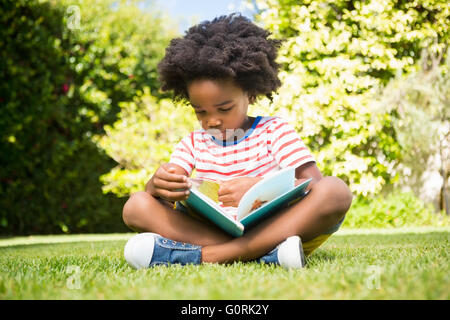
142 138
336 56
65 68
420 105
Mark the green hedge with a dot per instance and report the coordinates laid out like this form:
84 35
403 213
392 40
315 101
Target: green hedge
337 57
397 209
58 88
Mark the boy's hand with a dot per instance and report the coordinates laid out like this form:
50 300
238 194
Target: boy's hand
169 185
231 191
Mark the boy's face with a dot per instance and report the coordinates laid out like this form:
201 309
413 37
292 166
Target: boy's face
220 106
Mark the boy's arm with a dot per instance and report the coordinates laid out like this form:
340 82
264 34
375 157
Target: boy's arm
306 171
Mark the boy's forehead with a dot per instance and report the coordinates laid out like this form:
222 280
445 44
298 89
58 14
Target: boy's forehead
219 104
211 84
211 91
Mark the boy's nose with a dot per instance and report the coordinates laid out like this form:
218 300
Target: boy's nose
213 123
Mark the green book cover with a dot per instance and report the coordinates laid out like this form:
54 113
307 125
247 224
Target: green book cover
271 194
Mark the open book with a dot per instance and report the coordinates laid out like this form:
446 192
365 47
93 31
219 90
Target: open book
272 193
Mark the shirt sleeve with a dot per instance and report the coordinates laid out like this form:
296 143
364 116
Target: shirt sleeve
183 155
286 145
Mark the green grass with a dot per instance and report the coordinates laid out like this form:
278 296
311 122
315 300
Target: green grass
410 263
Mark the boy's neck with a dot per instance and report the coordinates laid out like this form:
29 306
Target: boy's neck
248 123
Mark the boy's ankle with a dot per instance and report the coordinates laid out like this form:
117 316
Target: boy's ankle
208 254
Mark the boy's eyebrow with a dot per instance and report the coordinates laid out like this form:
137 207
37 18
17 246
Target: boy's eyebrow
223 103
216 105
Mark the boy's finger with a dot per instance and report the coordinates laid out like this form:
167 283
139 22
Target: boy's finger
171 176
173 195
169 185
223 190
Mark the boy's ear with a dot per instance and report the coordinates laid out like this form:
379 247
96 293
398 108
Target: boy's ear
251 99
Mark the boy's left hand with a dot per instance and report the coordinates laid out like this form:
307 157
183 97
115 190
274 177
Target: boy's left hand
231 191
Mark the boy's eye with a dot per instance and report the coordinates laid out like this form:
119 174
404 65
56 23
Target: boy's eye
220 109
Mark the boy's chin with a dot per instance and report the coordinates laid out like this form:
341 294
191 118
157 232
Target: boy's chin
227 135
222 137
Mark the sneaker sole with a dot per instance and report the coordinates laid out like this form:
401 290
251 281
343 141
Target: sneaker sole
138 250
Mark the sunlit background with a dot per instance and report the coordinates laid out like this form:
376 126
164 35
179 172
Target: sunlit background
189 12
84 122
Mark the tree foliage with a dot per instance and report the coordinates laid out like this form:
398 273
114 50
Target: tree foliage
81 108
395 210
419 103
142 138
65 68
336 57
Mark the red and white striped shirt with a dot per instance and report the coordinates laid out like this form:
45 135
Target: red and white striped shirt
270 145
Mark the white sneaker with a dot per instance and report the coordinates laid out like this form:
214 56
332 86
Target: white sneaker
147 249
288 254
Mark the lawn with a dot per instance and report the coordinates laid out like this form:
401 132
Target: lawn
408 263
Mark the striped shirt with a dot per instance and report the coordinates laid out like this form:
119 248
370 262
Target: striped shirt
270 145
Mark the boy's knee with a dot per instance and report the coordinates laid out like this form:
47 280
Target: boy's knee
336 193
133 205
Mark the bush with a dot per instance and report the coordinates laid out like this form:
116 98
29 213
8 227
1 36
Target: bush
140 140
419 105
59 87
398 209
335 57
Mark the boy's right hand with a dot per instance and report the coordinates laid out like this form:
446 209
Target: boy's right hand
167 184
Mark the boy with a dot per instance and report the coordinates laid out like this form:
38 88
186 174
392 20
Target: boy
220 67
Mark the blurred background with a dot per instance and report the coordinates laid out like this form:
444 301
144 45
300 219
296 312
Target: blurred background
83 122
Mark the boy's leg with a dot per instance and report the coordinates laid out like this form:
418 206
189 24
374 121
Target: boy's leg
144 213
325 205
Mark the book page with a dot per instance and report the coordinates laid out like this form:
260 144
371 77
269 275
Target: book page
206 187
266 190
280 202
204 200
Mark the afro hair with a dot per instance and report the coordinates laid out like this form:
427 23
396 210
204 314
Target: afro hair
228 47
